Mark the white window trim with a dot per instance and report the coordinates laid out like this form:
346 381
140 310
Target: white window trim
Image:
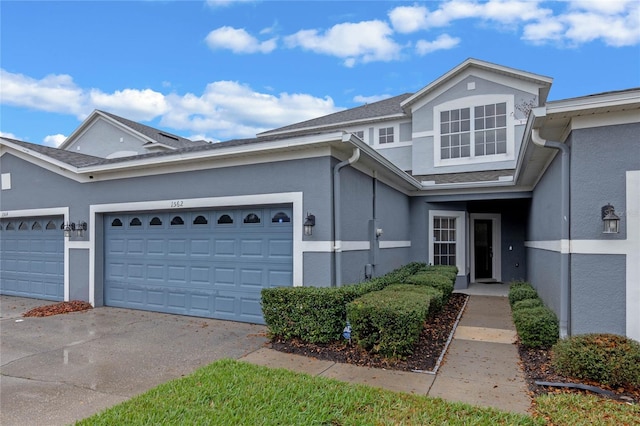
470 102
461 237
396 134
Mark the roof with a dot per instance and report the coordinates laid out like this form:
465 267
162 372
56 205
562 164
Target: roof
160 136
69 157
466 177
483 65
386 108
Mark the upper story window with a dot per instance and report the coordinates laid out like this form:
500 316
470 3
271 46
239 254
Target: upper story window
359 134
474 132
385 135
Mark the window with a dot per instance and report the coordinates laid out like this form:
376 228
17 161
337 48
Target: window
116 222
474 128
200 220
490 129
385 135
455 133
177 221
51 225
36 226
359 134
252 218
135 222
225 219
155 221
444 240
280 217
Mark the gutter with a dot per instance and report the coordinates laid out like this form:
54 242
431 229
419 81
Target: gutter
337 241
565 273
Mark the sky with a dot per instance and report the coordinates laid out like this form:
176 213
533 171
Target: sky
220 70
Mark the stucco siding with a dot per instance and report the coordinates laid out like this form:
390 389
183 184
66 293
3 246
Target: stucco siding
543 271
545 217
400 156
598 294
592 185
102 139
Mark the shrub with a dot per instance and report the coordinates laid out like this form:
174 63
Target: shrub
388 322
521 292
318 314
443 280
436 301
606 358
527 303
537 327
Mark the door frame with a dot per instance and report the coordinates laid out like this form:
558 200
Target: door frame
496 260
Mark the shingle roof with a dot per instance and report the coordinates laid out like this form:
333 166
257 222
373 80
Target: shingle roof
69 157
384 108
159 136
466 177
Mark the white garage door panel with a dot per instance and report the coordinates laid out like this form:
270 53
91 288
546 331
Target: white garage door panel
205 263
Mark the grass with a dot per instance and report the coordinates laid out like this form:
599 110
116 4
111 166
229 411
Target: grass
230 392
577 409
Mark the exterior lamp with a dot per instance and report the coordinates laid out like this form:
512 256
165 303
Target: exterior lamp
611 221
80 228
68 229
309 223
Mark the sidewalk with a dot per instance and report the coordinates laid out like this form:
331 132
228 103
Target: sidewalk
481 366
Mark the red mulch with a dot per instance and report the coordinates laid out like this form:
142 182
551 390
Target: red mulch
535 363
58 308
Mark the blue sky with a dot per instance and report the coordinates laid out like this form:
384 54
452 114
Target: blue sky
230 69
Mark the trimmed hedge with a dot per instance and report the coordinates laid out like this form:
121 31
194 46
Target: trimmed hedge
437 298
442 279
521 292
606 358
537 327
527 303
389 322
318 314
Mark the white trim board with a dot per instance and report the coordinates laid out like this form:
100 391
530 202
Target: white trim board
461 236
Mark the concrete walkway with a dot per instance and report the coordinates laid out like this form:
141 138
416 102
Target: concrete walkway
481 366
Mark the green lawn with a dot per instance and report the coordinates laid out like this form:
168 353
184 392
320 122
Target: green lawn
230 392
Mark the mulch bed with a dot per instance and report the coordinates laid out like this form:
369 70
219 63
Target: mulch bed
535 363
58 308
424 358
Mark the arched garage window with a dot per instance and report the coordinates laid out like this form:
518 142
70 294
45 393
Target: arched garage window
155 221
280 217
135 222
36 226
116 222
252 218
23 226
200 220
225 219
10 227
51 225
177 221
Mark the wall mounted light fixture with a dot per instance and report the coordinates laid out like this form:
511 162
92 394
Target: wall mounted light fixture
611 221
79 228
309 223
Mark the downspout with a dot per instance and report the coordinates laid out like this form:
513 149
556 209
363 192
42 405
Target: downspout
565 272
337 241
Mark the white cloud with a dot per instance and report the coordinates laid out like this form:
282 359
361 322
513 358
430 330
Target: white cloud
364 42
443 42
238 41
7 135
225 3
53 93
615 23
54 140
408 19
226 109
370 99
130 103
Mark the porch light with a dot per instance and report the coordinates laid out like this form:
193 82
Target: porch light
611 222
78 228
309 223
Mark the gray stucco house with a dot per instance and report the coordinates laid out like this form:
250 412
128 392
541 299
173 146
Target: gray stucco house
476 169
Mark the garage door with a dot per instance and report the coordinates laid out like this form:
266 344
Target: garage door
32 257
210 263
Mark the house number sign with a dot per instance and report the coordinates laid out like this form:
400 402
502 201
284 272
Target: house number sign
178 203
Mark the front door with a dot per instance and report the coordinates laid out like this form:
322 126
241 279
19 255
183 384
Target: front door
483 248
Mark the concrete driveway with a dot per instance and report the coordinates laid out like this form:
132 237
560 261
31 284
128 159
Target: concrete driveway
59 369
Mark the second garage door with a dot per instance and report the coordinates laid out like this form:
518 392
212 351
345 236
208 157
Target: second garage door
210 263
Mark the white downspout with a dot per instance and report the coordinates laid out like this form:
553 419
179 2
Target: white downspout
565 271
337 242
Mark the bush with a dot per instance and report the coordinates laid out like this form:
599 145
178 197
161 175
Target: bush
537 327
441 277
527 303
389 322
606 358
521 292
318 314
436 301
